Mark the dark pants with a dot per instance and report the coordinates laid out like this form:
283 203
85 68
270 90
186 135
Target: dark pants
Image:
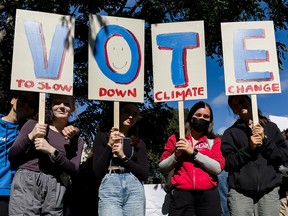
4 203
199 203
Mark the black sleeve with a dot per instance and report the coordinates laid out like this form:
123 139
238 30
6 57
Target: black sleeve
139 165
102 154
274 147
235 149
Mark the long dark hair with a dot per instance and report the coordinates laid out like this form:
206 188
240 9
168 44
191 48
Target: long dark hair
134 130
263 120
201 104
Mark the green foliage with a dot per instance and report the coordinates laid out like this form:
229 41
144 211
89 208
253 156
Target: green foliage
159 121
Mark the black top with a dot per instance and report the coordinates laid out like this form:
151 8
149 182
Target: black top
253 173
103 157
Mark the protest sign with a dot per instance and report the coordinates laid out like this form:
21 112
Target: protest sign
116 60
250 60
179 63
43 54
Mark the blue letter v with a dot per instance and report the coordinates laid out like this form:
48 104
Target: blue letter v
37 46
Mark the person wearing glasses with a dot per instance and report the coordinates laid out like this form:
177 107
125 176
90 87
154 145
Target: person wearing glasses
46 158
120 160
23 106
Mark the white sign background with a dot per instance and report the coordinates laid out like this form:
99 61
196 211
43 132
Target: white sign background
23 65
96 78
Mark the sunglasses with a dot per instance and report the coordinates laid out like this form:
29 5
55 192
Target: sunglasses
24 100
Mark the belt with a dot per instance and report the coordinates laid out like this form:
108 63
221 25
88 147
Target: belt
118 171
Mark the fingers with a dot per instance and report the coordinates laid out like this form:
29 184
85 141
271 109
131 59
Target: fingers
69 131
117 148
250 123
42 145
184 145
115 136
258 132
39 130
39 143
113 129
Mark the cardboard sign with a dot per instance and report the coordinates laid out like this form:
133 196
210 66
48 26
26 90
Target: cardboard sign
250 58
43 53
179 61
116 59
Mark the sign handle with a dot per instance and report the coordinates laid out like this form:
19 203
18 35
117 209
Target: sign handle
41 114
181 119
116 114
254 109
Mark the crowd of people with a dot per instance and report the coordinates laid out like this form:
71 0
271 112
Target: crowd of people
241 173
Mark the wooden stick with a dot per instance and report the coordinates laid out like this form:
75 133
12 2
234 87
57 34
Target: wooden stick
116 114
254 109
41 115
116 117
181 119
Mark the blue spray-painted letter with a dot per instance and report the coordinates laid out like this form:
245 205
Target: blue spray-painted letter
100 53
42 68
179 43
242 57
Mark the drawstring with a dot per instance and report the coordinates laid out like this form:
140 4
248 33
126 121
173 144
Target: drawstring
132 152
110 170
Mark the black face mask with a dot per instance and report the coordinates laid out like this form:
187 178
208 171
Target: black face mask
200 125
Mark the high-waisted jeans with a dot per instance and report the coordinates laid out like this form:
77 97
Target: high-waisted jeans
121 195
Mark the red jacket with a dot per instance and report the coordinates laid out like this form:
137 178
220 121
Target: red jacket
189 174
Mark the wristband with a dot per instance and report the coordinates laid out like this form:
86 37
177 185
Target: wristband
125 160
54 155
195 152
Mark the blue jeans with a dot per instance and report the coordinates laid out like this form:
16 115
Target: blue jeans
121 195
223 191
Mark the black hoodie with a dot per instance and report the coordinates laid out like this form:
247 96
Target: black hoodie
253 172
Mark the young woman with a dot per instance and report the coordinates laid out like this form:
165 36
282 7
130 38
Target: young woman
253 153
45 158
120 158
196 164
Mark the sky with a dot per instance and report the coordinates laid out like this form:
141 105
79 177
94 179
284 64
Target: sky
269 104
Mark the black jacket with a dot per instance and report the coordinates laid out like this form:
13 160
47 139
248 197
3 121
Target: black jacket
253 173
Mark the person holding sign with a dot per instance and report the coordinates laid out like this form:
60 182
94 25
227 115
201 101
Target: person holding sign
196 160
253 154
45 158
23 106
120 160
